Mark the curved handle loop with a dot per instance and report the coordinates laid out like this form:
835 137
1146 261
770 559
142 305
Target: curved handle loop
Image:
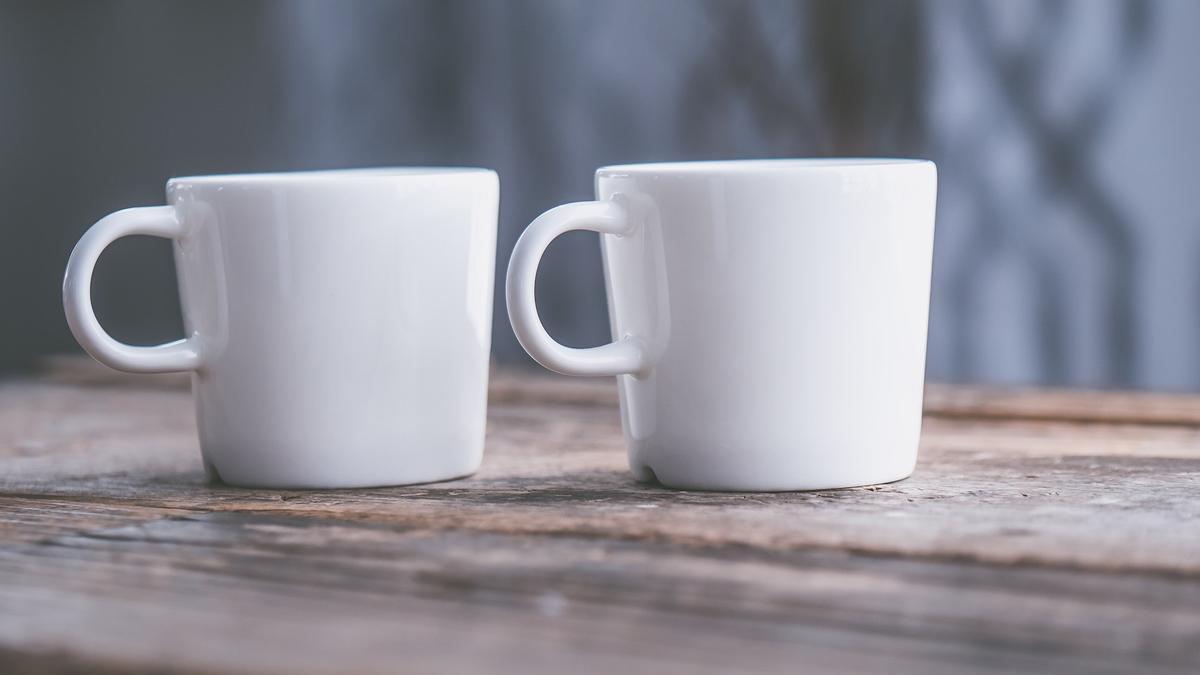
156 221
627 355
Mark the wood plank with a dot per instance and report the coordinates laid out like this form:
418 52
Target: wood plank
986 493
1027 541
42 518
271 594
1072 405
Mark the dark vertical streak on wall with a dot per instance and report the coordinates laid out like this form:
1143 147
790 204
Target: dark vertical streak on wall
871 81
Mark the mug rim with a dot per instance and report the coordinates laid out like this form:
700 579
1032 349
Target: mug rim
304 175
728 166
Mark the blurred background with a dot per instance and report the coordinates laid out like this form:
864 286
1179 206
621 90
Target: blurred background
1065 132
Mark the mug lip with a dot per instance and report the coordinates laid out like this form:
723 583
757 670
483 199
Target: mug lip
735 166
313 175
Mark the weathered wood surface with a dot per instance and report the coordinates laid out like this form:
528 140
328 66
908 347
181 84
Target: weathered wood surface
1043 531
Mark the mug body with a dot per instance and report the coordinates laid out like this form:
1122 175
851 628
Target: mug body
345 322
784 305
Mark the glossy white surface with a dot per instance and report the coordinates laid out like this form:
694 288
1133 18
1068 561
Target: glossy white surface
769 317
338 322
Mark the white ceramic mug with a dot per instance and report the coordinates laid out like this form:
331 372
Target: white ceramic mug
769 317
338 323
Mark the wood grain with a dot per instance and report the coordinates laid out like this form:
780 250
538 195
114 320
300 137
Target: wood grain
1036 535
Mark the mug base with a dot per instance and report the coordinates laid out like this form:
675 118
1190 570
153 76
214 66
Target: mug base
766 483
216 477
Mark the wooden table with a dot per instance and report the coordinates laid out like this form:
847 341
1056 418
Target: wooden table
1043 531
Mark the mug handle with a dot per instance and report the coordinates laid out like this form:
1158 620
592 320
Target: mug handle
156 221
628 355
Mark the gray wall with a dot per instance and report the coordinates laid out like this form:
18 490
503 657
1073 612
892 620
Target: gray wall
1064 131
